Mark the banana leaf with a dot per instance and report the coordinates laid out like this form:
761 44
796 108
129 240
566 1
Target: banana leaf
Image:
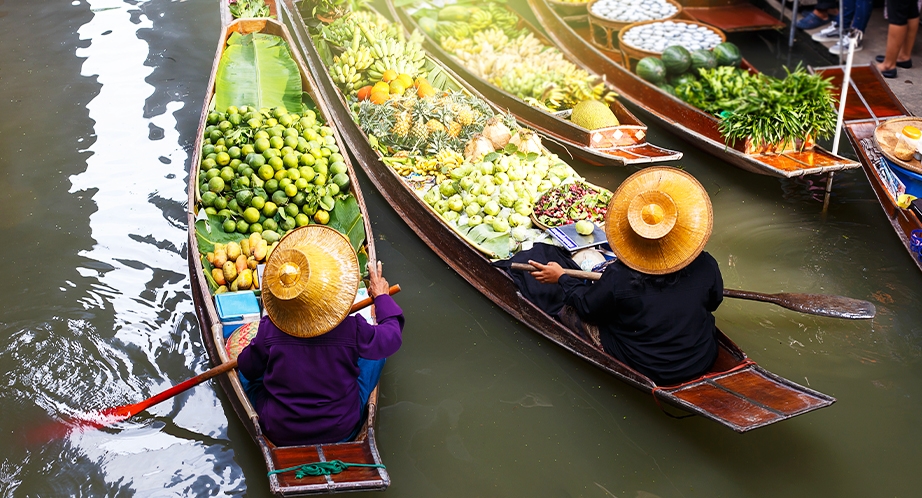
347 219
257 70
210 232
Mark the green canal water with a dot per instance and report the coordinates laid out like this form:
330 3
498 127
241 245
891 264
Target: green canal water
100 102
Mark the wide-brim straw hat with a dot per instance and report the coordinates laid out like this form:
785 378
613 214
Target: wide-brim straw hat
310 281
659 220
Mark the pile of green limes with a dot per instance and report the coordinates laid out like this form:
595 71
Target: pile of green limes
270 171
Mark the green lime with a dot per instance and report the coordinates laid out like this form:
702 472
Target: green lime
309 209
262 144
266 172
228 173
210 210
214 118
290 161
290 141
215 135
219 148
320 179
292 209
256 228
279 197
230 226
298 199
257 202
235 119
223 158
307 160
302 220
251 215
285 182
270 153
220 203
270 224
243 199
290 223
285 119
271 185
207 149
208 198
247 172
302 183
242 226
234 152
276 142
332 189
307 173
211 173
246 149
254 122
255 160
277 163
269 209
337 167
225 125
286 150
322 217
290 189
238 165
261 134
233 206
207 164
216 184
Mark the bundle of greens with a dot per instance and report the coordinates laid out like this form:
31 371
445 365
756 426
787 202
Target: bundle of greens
768 111
248 8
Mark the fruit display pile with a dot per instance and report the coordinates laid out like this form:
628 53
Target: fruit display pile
770 112
264 171
572 202
271 171
478 170
485 39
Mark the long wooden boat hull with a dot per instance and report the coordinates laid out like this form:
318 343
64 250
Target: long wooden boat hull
364 448
737 393
868 103
590 147
572 36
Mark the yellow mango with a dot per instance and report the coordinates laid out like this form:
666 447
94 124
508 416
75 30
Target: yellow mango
241 263
210 257
221 290
252 263
233 251
220 257
262 250
230 271
255 237
219 247
244 279
218 275
245 247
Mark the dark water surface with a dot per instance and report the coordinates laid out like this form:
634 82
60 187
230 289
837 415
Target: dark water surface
100 103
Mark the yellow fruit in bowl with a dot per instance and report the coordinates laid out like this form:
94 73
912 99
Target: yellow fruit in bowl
389 75
397 87
406 79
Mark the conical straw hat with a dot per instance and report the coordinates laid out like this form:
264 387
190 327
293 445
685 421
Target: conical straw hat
310 281
659 220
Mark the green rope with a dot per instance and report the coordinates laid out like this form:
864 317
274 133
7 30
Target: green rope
323 468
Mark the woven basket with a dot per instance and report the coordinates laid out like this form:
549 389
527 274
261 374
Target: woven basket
569 8
631 53
605 31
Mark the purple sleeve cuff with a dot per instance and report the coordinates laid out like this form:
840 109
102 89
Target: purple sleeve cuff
384 339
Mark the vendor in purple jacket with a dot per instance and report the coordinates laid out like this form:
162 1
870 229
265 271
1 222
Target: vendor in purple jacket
317 364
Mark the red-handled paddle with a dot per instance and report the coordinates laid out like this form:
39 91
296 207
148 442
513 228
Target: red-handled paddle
112 415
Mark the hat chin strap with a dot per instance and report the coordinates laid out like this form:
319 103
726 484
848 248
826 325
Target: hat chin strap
652 214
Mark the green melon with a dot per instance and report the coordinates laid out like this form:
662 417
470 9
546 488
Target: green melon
727 54
703 59
677 59
651 69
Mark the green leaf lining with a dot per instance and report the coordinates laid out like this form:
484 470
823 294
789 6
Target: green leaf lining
257 70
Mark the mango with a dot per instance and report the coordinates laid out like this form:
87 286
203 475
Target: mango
244 279
233 251
245 247
241 263
210 257
220 257
218 275
262 250
221 290
230 271
219 247
252 263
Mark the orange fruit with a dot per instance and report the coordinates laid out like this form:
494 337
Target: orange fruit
378 97
397 87
364 92
419 81
425 90
406 79
389 75
381 87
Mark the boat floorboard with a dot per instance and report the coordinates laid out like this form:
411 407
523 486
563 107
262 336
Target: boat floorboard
737 17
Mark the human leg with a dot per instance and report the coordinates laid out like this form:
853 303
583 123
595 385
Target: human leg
912 28
369 375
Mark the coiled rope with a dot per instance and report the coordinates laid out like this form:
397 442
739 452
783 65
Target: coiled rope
323 468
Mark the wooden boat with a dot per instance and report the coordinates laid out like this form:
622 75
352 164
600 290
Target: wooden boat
621 145
573 37
363 449
869 103
736 393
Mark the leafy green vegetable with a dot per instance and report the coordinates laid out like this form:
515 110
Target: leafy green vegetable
257 70
210 232
248 8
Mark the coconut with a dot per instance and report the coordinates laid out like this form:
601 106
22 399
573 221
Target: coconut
526 141
478 147
497 132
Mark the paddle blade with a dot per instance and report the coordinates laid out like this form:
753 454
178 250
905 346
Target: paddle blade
831 306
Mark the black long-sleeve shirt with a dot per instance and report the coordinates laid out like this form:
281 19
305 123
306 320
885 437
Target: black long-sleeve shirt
665 332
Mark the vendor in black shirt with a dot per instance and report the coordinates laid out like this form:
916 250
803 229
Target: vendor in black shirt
654 305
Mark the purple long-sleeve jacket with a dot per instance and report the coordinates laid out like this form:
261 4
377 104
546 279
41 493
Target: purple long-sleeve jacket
310 390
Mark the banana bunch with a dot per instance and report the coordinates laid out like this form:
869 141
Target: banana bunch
503 19
480 19
458 30
346 76
400 64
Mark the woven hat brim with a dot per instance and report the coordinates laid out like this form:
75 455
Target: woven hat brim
333 279
679 247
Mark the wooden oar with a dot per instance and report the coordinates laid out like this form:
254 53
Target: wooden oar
108 416
814 304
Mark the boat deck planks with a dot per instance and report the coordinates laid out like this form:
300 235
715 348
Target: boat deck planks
572 36
741 16
737 411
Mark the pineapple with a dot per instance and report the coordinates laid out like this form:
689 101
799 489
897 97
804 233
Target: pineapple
402 124
420 131
453 128
465 115
433 125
